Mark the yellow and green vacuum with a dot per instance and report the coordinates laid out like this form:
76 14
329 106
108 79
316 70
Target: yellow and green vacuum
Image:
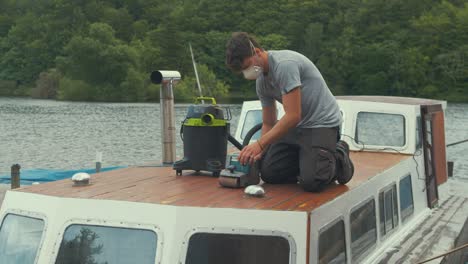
205 133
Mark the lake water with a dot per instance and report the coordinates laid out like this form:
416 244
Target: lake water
66 135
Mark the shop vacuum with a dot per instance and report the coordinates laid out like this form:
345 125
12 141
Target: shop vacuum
205 133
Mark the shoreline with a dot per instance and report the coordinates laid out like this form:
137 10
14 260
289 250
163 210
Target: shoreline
227 101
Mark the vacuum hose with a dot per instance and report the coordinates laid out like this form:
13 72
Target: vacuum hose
247 137
235 142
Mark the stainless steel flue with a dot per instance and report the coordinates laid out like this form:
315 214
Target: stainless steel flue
167 79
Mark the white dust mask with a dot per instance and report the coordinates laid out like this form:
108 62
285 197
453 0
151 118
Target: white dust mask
253 71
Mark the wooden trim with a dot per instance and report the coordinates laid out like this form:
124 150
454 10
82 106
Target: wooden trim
430 109
308 239
428 113
440 157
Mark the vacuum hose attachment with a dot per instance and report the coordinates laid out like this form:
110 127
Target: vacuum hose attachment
250 134
207 119
235 142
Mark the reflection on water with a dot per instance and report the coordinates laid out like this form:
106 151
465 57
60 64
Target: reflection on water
66 135
456 124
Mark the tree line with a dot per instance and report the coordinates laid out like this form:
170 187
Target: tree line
104 50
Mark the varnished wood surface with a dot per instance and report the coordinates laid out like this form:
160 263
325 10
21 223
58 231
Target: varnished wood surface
439 148
160 185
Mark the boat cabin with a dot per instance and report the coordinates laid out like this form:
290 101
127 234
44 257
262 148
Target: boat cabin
148 214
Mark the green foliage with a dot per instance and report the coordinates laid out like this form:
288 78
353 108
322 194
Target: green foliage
106 65
47 85
75 90
7 88
105 50
187 89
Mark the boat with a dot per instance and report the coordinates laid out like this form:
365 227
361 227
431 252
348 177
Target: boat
390 211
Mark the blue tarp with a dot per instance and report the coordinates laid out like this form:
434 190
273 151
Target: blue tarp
42 175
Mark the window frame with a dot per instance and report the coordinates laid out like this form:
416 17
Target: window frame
419 133
374 245
325 228
33 215
409 216
341 129
384 190
239 231
381 147
113 224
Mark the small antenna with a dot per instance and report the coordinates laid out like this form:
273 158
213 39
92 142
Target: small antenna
196 72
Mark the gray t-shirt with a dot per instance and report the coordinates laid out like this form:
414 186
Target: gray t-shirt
288 70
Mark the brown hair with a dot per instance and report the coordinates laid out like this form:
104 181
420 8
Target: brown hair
238 48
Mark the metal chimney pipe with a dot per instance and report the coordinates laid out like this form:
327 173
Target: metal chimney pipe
167 79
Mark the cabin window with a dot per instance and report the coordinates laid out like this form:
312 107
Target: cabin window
418 133
380 129
99 244
252 118
406 198
210 248
363 229
332 245
20 237
388 205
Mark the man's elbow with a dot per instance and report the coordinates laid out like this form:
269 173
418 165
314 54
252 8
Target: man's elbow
295 118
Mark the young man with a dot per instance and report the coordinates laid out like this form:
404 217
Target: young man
302 146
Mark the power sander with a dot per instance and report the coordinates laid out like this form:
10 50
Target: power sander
236 175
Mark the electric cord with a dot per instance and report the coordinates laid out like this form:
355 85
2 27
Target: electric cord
181 131
417 153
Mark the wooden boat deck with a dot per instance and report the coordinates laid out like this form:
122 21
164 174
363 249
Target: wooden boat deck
160 185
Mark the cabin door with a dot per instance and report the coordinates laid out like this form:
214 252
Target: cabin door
428 113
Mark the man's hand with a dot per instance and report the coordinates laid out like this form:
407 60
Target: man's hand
250 153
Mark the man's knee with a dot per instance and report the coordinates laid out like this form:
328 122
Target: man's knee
318 171
274 174
268 175
312 185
